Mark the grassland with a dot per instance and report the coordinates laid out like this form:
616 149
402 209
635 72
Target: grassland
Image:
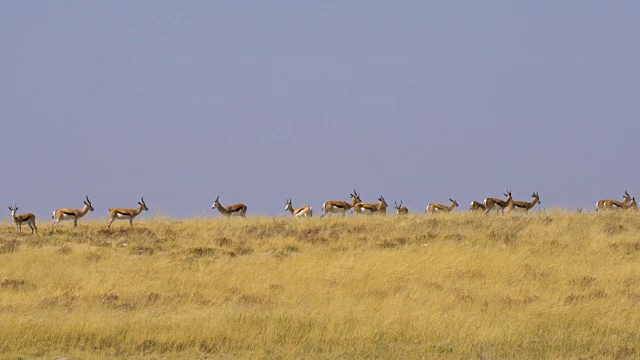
547 285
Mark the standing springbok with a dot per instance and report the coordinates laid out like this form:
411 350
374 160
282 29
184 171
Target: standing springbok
498 204
71 214
335 206
400 210
126 214
435 208
368 209
28 218
524 205
231 210
613 204
304 211
476 206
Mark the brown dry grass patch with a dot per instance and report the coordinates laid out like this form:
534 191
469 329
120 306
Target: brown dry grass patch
547 285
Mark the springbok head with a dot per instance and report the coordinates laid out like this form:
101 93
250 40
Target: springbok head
288 205
142 203
536 197
216 203
88 202
355 196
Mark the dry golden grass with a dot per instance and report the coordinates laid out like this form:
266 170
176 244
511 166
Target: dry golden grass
547 285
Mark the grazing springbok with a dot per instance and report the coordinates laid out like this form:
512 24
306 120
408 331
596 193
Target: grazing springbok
126 214
613 204
71 214
28 218
476 206
400 210
336 206
231 210
524 205
436 208
498 204
368 209
304 211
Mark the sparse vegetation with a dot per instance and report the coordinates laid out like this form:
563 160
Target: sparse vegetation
545 285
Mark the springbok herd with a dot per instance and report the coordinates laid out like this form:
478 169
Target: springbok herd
328 208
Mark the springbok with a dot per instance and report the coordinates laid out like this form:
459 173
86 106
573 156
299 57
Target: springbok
126 214
524 205
231 210
613 204
336 206
304 211
435 208
499 204
401 210
71 214
476 206
368 209
28 218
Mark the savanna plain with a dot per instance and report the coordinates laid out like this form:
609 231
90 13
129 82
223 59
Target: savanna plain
553 285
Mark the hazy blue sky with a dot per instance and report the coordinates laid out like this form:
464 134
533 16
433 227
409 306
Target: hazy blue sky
258 101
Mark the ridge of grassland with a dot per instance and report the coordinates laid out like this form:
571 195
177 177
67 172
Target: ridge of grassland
545 285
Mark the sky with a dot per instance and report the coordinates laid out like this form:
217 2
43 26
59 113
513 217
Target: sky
259 101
